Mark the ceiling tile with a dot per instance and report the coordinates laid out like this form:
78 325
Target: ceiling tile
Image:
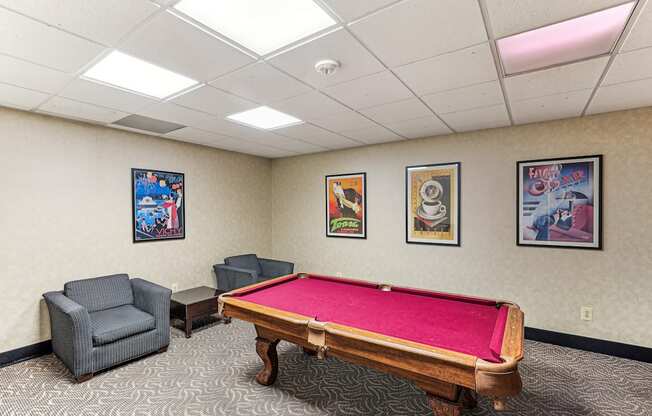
479 118
630 66
25 74
102 95
453 70
261 83
419 127
354 59
398 111
190 134
170 42
466 98
641 34
369 91
22 98
238 130
417 29
309 106
294 145
213 101
313 134
513 16
263 151
247 147
81 111
351 10
219 141
100 20
226 127
198 136
550 107
177 114
622 96
371 135
573 77
347 120
33 41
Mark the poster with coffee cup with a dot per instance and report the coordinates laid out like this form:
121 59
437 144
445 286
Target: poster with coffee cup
346 205
433 204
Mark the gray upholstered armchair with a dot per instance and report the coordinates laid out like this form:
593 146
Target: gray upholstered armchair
247 269
98 323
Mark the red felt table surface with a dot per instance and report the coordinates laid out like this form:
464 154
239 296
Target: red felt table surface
451 322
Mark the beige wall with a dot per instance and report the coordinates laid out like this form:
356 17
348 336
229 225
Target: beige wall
66 212
550 284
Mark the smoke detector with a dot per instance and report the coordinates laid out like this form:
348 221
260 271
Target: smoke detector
327 67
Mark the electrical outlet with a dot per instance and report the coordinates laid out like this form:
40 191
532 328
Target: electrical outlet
586 313
338 274
175 287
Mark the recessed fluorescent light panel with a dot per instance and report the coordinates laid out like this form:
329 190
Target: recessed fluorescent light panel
261 26
124 71
264 118
568 41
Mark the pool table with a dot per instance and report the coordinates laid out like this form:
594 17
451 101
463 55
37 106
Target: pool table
451 346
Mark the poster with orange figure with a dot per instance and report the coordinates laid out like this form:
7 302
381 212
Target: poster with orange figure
346 205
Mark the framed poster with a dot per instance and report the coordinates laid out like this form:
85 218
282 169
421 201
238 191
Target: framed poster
432 198
158 207
346 205
560 202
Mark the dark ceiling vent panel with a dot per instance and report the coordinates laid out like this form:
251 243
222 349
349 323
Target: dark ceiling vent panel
148 124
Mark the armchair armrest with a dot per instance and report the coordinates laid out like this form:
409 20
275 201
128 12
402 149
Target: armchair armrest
230 277
72 334
275 268
155 300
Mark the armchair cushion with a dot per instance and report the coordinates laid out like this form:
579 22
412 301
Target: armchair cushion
110 325
245 261
100 293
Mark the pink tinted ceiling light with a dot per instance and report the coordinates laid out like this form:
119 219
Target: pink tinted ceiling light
571 40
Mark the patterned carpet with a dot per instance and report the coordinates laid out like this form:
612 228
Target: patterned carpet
213 374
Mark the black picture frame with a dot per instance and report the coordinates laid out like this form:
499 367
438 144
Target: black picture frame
596 203
134 210
363 235
457 225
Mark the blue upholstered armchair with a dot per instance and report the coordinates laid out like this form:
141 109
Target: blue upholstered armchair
247 269
98 323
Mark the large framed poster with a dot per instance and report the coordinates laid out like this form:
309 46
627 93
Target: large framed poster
346 205
157 200
560 202
432 198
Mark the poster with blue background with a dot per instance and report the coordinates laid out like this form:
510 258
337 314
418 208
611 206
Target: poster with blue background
560 202
158 205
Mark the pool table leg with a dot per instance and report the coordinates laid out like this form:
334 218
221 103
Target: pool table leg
266 349
309 351
444 406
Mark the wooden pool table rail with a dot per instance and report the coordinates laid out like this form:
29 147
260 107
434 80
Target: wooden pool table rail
448 377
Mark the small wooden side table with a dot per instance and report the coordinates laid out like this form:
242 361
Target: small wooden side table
194 303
